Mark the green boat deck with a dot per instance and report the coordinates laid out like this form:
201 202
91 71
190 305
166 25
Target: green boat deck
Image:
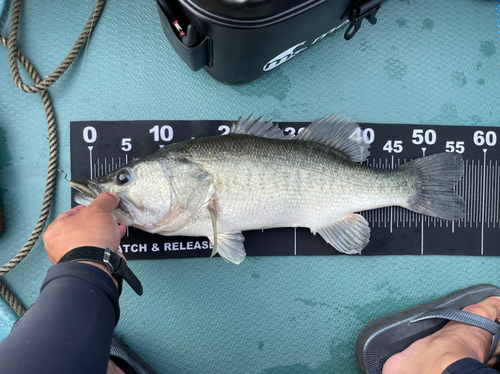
424 62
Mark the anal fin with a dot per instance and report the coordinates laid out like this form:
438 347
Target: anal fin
229 246
349 236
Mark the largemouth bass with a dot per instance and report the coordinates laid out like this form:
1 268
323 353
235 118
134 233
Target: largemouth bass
257 177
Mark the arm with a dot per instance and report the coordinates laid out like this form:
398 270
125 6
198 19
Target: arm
469 365
69 327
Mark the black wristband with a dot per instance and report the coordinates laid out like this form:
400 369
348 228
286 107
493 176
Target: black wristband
116 265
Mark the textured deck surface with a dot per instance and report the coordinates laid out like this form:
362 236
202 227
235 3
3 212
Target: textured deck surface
424 62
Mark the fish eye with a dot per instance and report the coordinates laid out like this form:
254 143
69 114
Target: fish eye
123 176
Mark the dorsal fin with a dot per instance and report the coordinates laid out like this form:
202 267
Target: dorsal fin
339 132
257 127
336 130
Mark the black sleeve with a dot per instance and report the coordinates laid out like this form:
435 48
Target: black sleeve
468 366
69 327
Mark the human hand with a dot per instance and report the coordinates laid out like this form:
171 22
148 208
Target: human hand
93 225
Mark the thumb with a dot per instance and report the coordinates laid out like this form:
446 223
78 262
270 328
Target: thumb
106 202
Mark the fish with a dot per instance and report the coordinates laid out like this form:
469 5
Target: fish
257 177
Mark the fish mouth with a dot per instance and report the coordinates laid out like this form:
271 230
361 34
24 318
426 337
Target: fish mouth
87 192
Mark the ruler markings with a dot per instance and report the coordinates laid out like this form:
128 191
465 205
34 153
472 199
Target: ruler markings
473 193
491 200
494 195
480 182
479 187
479 173
476 190
91 162
467 193
475 182
483 201
421 220
497 195
460 193
491 203
488 195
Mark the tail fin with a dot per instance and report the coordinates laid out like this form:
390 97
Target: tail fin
436 177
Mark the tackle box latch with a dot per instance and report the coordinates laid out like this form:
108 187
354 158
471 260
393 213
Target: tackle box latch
359 11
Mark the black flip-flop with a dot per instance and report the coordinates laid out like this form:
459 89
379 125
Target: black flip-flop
126 359
392 334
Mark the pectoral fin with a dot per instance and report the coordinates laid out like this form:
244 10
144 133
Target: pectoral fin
349 236
229 245
215 242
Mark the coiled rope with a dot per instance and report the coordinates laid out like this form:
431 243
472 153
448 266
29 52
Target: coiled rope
40 86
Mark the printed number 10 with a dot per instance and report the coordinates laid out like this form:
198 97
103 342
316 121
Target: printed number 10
165 133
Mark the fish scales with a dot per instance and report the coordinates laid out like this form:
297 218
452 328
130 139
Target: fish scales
263 183
257 178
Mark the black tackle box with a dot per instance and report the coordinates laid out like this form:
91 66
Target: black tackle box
237 41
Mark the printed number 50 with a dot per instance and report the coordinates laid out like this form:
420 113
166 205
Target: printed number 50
452 146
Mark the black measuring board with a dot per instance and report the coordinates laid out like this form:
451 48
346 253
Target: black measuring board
99 147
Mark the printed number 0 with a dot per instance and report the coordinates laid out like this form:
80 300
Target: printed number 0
89 134
368 135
